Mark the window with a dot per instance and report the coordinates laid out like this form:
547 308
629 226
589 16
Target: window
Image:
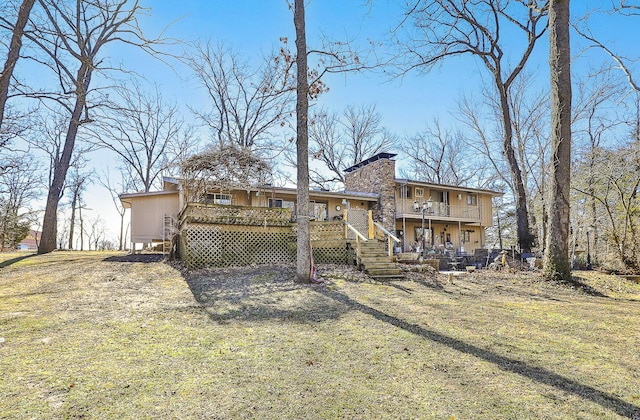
275 202
472 200
318 210
466 236
408 192
419 192
219 198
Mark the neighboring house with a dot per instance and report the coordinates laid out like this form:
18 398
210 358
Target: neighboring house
454 218
30 243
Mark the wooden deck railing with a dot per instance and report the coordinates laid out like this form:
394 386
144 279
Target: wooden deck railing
405 208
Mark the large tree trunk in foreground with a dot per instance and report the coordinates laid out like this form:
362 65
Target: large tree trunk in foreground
556 263
61 167
303 261
14 53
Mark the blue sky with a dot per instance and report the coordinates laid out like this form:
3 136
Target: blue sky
253 28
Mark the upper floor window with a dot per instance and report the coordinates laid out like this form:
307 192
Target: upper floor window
419 192
472 199
275 202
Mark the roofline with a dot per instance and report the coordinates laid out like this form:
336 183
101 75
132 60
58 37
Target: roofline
171 179
323 193
379 156
449 187
125 196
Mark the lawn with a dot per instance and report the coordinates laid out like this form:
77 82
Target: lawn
101 335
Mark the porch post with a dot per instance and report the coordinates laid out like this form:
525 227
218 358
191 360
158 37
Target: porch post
345 213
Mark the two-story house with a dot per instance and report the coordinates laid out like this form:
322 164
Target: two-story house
422 215
451 217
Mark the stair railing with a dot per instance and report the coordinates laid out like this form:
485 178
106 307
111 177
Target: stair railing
359 236
391 238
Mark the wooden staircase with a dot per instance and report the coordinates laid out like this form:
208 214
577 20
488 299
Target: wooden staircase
374 260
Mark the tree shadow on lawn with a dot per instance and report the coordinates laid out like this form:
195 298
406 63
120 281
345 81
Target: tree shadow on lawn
259 294
7 263
537 374
580 284
143 258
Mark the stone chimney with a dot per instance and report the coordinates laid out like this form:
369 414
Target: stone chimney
376 175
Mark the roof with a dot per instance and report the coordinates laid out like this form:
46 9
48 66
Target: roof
448 187
379 156
126 204
325 193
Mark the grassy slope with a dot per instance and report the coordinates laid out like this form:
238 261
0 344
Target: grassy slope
81 336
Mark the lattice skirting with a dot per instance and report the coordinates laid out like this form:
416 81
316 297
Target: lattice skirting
221 245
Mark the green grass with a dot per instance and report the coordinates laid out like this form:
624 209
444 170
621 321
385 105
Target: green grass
85 335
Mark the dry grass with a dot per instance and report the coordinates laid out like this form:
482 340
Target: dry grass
89 335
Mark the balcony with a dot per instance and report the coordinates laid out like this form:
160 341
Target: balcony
438 211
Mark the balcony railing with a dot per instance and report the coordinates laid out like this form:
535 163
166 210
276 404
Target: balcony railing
407 208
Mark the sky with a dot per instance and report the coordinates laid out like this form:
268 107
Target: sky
253 28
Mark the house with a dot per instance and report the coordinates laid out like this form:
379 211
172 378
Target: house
153 212
452 217
222 225
30 243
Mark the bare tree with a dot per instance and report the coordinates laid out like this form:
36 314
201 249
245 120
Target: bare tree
339 142
333 57
77 185
556 260
19 187
449 28
438 155
529 110
68 40
594 127
616 192
13 52
227 168
247 103
303 260
115 191
146 133
96 232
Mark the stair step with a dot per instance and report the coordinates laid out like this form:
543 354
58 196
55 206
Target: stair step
388 277
368 260
373 252
375 261
384 272
379 264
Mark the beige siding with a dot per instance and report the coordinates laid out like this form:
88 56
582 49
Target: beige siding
486 206
147 216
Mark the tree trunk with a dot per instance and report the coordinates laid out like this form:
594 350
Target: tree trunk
81 229
556 264
61 166
72 222
520 192
14 53
303 261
